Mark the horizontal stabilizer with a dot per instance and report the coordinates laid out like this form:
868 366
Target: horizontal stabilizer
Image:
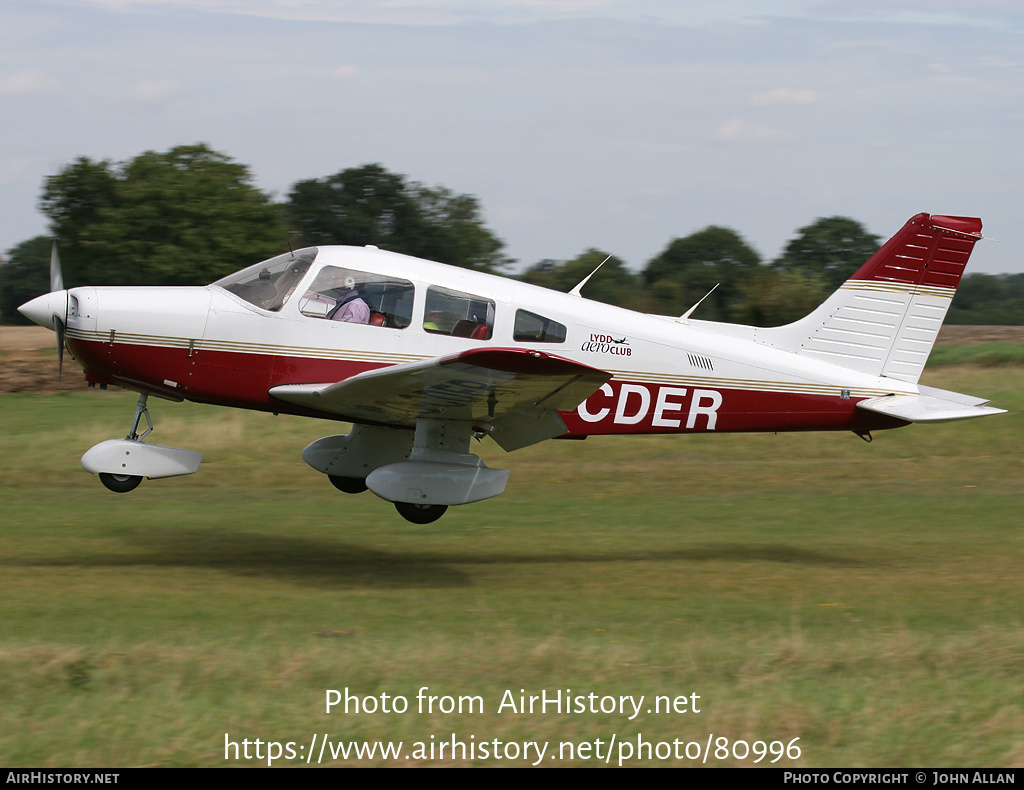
932 405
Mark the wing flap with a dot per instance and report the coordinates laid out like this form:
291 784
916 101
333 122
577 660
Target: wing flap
931 405
513 393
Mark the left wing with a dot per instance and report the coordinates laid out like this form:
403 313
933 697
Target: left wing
513 394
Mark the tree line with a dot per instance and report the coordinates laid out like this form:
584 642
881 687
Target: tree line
191 215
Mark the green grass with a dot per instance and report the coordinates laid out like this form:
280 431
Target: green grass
989 354
862 598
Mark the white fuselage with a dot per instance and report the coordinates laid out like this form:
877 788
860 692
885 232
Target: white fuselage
211 345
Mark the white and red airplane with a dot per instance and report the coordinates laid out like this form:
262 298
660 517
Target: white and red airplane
435 355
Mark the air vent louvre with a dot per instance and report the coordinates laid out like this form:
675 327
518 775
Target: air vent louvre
700 361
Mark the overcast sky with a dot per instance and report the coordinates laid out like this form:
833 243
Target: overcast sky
577 123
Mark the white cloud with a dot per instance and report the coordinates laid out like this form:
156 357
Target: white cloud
343 73
153 92
935 12
676 12
449 12
948 75
364 11
513 214
784 97
998 62
26 83
739 130
15 170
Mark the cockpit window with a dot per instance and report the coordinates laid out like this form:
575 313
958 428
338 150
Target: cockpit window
342 294
458 314
534 328
269 284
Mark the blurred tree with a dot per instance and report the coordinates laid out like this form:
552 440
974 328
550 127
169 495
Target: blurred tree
989 299
77 199
369 205
453 231
832 248
690 267
358 206
613 283
776 298
24 275
184 217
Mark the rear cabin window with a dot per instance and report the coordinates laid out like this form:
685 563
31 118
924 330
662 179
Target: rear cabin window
533 328
458 314
342 294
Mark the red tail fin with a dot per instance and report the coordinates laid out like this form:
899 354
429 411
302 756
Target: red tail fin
929 251
885 318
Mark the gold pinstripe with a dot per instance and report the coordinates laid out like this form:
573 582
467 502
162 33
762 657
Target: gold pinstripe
898 288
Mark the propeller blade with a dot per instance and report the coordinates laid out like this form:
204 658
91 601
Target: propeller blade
56 276
58 325
59 322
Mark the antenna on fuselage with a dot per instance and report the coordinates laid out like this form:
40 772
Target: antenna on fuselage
576 291
684 318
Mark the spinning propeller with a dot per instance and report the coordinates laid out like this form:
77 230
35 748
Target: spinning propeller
51 310
59 322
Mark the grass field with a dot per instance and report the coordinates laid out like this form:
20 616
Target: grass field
864 599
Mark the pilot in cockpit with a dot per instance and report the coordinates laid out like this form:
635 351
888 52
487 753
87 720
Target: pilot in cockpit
334 296
350 306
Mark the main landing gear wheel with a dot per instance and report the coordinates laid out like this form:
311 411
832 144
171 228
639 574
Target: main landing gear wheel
350 485
122 484
420 514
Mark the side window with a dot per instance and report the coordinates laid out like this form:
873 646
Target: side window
458 314
341 294
533 328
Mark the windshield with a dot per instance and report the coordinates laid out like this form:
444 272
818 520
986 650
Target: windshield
268 284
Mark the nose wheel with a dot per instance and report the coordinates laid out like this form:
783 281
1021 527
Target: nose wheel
420 514
122 463
122 484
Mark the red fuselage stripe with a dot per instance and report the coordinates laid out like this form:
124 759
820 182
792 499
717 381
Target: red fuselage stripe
243 380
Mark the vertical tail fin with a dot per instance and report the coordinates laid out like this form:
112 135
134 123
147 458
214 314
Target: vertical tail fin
884 320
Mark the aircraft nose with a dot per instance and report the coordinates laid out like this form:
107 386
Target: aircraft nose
42 309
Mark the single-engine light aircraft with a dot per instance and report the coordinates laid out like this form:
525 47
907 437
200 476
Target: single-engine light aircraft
421 357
